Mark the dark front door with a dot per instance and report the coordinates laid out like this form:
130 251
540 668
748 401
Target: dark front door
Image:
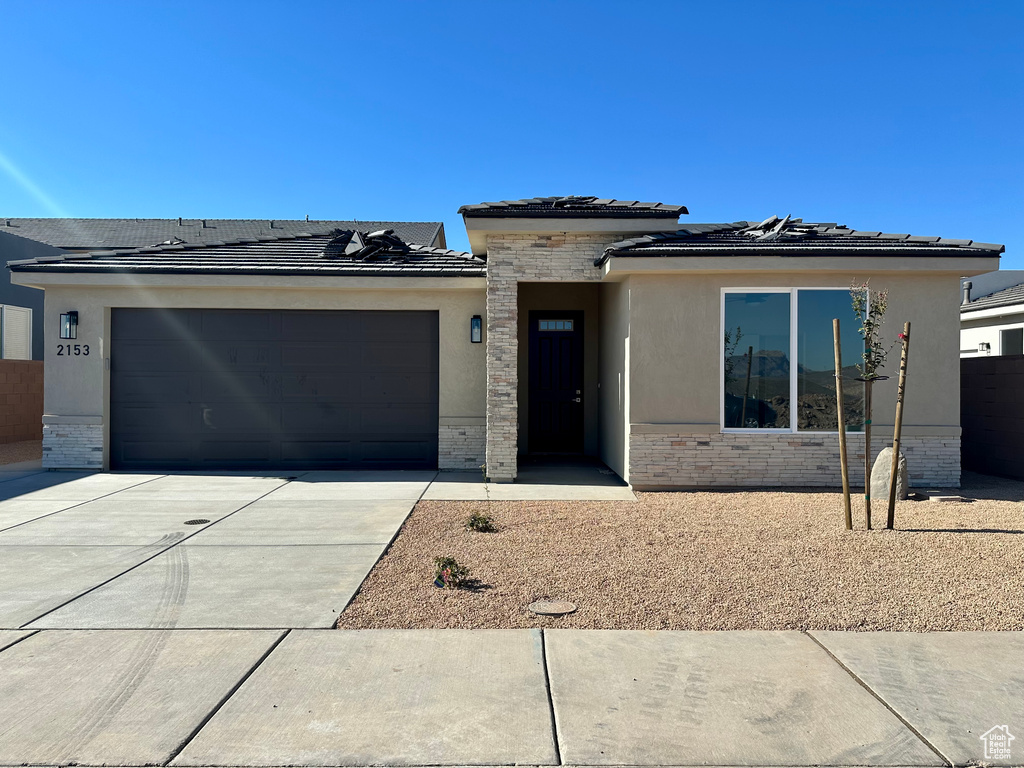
273 389
556 382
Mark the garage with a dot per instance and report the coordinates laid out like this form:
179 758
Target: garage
273 389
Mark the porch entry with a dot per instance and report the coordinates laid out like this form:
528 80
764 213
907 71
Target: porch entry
556 382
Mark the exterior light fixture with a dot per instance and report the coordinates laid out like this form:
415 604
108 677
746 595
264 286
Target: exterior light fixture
984 347
69 325
476 329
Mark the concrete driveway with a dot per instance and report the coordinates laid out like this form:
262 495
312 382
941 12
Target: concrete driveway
131 551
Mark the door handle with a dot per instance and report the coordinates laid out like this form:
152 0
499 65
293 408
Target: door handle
579 399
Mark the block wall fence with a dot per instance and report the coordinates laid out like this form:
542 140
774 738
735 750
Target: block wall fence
21 400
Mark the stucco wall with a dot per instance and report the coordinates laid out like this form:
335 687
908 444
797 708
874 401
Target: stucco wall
675 332
675 380
77 386
614 383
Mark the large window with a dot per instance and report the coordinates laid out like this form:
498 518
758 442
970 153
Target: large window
765 331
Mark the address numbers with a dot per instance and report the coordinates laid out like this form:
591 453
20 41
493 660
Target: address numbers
72 350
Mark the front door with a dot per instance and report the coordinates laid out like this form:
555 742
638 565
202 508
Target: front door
556 382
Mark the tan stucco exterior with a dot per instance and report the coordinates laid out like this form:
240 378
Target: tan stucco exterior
675 344
77 387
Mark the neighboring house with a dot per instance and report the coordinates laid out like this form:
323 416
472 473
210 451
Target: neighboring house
700 356
37 238
992 314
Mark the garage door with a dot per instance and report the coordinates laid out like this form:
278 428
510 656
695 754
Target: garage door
240 389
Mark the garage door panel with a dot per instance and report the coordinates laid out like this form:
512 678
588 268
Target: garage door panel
320 418
319 356
386 451
397 355
391 326
397 419
248 451
151 324
303 326
329 387
317 451
148 387
240 417
218 324
155 356
227 355
401 387
166 418
236 389
251 385
165 452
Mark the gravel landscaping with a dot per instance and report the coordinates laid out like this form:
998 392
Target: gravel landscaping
711 560
26 450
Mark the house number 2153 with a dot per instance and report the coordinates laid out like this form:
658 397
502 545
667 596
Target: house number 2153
68 350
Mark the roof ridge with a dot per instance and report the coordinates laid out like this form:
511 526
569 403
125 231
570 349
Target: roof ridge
570 205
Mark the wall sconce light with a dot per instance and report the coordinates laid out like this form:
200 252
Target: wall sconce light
984 346
69 325
476 329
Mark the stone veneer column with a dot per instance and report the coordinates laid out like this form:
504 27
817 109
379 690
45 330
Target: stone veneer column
502 378
72 442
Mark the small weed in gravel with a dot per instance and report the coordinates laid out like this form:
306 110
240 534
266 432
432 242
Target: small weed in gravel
449 573
480 523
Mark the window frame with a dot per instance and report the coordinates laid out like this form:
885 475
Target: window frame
793 293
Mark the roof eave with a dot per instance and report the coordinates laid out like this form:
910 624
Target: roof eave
795 251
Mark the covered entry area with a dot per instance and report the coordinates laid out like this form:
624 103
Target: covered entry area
273 389
558 355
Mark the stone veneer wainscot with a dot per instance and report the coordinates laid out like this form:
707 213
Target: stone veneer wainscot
659 459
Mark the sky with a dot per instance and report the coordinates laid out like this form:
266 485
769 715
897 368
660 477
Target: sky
892 116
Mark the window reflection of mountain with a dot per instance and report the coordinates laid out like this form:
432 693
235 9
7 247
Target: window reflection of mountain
768 406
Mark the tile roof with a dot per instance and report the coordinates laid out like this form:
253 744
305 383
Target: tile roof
1004 298
94 234
337 252
573 206
791 236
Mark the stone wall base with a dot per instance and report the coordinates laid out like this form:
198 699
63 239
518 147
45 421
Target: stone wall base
461 447
72 446
660 460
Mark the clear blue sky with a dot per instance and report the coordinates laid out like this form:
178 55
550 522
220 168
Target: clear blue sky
904 117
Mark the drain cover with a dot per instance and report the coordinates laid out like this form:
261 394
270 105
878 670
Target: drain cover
197 521
552 607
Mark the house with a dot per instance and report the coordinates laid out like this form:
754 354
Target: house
681 356
992 374
22 239
992 314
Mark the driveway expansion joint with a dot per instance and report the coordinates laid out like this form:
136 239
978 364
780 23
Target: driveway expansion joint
945 760
234 689
148 559
76 504
555 736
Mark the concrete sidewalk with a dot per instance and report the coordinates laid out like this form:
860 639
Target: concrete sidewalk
504 697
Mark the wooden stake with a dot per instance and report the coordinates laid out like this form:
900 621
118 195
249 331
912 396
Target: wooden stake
867 451
890 520
746 392
843 465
